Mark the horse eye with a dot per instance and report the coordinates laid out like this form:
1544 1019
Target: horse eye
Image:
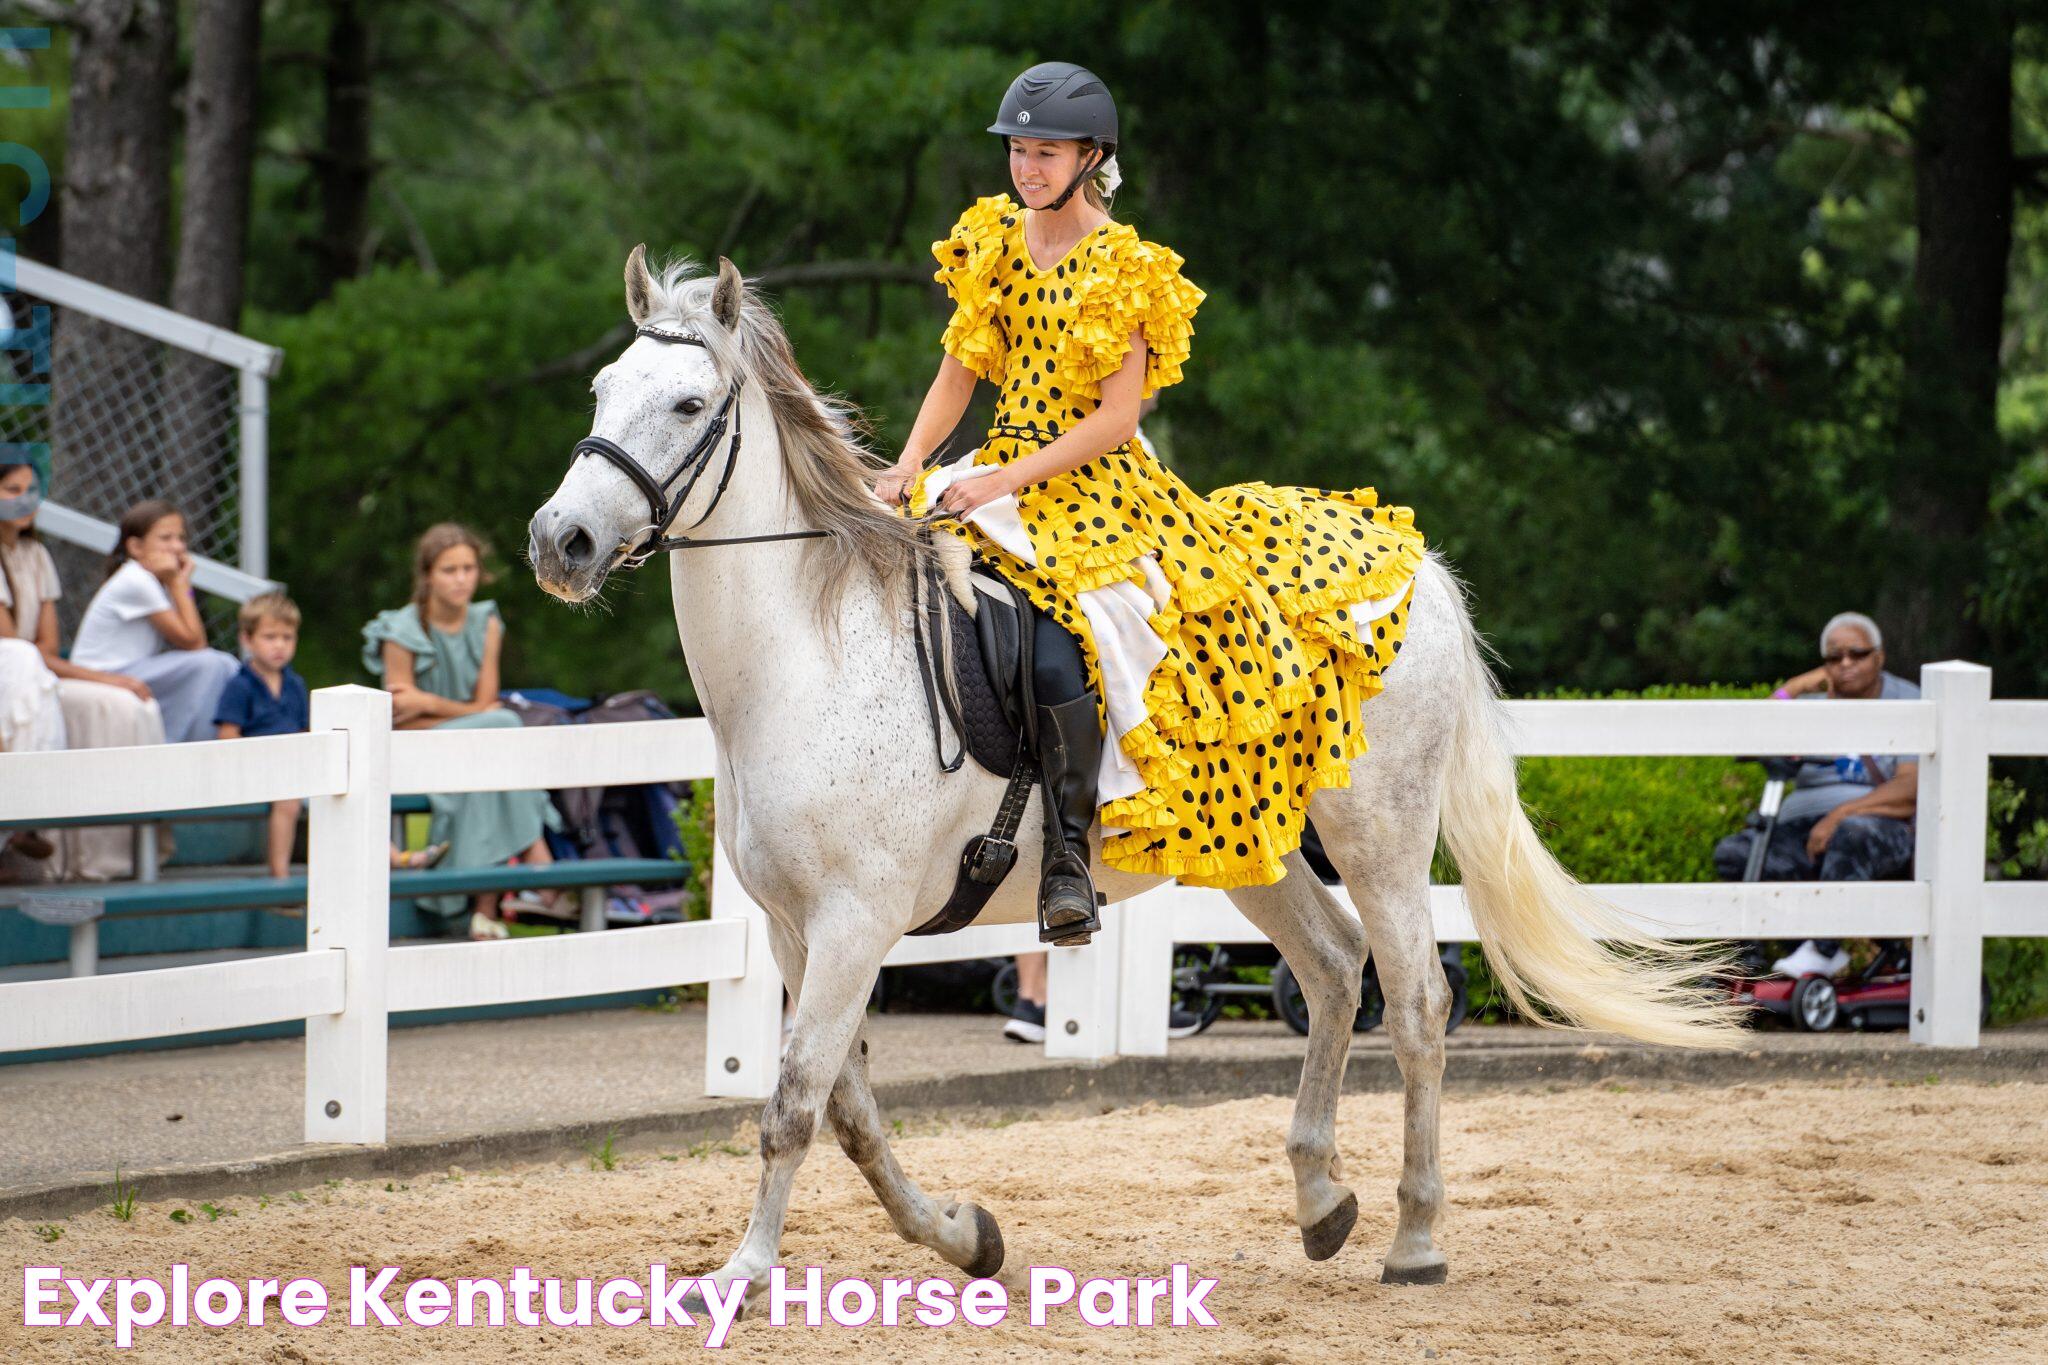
690 407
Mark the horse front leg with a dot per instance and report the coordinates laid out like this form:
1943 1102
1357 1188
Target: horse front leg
964 1234
844 944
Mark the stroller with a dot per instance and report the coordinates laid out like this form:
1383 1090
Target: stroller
1876 995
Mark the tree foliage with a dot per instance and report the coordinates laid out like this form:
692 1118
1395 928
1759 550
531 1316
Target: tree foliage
1619 297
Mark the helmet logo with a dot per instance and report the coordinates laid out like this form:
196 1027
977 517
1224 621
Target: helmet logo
1024 116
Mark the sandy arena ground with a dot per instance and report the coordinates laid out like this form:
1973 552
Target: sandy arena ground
1863 1221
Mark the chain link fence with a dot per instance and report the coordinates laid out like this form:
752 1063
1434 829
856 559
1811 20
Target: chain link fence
128 418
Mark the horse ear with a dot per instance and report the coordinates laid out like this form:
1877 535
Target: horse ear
639 286
725 298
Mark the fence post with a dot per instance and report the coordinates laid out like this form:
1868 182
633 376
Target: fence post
1145 993
1948 960
743 1029
1081 1015
253 551
348 908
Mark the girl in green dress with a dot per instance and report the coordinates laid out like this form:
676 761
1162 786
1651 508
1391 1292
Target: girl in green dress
438 657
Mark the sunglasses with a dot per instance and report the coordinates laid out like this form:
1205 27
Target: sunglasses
1847 655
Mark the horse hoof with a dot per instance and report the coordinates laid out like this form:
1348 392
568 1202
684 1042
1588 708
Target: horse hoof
988 1246
1420 1274
693 1304
1326 1238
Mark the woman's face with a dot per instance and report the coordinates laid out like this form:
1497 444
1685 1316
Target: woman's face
162 547
1855 666
452 579
18 481
1041 168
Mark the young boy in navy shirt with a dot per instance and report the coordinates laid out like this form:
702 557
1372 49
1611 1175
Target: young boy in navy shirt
267 698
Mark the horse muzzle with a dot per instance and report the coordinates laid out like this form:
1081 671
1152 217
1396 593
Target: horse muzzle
565 554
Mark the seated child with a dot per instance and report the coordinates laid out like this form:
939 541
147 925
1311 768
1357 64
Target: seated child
268 698
144 623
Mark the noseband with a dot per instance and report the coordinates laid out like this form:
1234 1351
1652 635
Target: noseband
665 505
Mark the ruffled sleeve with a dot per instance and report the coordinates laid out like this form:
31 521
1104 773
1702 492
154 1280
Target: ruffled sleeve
1134 285
401 626
968 257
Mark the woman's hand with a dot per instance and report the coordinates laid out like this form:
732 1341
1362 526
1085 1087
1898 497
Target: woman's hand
134 686
407 703
967 494
894 486
1823 833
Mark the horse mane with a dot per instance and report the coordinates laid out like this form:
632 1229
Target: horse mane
827 450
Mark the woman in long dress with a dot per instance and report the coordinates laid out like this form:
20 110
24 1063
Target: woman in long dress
1226 641
438 657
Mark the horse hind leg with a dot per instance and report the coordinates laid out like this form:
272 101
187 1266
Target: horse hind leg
1325 947
1381 845
964 1234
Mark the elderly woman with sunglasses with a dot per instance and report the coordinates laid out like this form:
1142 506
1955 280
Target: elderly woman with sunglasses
1849 817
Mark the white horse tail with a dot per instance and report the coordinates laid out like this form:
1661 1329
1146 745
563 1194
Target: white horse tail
1551 942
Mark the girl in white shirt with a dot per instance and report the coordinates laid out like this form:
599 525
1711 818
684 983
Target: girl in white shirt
144 623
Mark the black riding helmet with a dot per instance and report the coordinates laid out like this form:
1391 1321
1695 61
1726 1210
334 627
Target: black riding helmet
1060 101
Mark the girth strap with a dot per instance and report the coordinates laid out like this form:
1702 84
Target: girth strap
988 858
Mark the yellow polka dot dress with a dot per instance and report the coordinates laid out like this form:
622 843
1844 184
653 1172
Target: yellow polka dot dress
1286 604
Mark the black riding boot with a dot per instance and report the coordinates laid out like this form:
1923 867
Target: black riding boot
1070 757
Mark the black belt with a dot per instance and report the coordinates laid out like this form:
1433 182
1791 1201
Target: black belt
1030 431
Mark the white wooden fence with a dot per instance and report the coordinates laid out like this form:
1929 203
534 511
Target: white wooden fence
1108 998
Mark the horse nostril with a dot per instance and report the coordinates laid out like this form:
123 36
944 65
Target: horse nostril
576 546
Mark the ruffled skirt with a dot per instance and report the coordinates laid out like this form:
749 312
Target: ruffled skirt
1231 655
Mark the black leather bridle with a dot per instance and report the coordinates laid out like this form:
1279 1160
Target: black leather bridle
664 505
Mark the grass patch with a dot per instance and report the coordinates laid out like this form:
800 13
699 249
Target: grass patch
122 1202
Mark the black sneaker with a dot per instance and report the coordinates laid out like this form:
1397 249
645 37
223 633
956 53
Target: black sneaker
1181 1024
1027 1023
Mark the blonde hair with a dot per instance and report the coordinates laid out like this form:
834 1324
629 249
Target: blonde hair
438 540
267 606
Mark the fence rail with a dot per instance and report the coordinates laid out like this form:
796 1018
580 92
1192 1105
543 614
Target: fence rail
1105 999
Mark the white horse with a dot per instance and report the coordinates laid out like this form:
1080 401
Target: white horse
840 824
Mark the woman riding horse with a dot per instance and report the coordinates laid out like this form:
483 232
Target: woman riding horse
1225 641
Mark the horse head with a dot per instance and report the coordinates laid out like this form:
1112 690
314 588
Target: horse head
664 438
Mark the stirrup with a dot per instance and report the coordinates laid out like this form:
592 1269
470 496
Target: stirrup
1073 933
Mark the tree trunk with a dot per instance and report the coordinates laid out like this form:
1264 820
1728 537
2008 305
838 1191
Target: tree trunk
201 398
344 159
220 136
106 429
1950 453
117 158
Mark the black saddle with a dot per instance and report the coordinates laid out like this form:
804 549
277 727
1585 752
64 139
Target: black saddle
990 671
992 680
